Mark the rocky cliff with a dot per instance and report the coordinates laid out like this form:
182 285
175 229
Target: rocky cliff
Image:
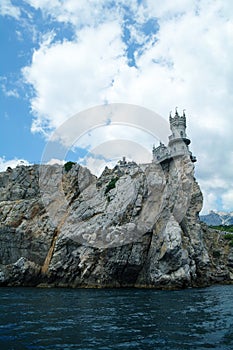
134 226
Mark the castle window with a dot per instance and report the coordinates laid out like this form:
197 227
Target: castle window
181 134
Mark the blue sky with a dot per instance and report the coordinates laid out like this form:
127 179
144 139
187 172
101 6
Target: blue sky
20 36
17 141
59 58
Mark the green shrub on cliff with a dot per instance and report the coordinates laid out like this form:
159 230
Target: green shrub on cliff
223 228
111 184
68 166
228 236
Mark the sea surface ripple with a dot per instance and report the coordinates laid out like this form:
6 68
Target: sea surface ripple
104 319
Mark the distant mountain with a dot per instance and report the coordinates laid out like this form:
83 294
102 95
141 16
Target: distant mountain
215 218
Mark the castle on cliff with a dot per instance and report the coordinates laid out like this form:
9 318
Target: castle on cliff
178 144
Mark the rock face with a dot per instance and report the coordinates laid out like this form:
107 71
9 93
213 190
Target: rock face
134 226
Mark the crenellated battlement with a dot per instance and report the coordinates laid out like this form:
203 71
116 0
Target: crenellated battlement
177 119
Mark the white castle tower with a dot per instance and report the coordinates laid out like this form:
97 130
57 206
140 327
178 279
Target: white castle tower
178 141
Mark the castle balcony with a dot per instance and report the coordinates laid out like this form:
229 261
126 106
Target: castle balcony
162 159
181 153
159 158
169 156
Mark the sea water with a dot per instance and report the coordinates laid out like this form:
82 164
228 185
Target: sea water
33 318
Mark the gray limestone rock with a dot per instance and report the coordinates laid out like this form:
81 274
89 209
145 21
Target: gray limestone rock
134 226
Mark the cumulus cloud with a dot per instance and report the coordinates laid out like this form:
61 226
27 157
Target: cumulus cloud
110 152
53 161
73 75
86 12
4 164
185 61
227 199
8 9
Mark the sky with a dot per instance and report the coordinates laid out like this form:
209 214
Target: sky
62 57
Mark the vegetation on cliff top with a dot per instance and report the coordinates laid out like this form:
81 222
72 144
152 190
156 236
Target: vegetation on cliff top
111 184
68 166
223 228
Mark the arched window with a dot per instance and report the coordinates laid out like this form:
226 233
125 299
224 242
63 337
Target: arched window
181 134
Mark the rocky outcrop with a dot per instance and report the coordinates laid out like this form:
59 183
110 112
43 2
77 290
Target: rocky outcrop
134 226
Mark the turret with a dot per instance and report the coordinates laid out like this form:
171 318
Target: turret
178 127
178 141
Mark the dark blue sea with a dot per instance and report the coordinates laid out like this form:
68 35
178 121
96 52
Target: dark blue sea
33 318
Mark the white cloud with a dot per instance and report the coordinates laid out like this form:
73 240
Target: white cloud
8 9
110 152
4 164
167 9
78 13
209 201
116 132
11 93
227 199
55 161
187 63
7 87
71 76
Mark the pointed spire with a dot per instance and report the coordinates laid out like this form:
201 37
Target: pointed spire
176 112
184 112
170 117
